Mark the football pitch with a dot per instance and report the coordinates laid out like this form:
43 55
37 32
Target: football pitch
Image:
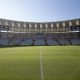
40 63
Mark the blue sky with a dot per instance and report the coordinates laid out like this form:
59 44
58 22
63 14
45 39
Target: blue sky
39 10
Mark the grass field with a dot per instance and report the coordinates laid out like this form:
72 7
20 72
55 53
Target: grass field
32 63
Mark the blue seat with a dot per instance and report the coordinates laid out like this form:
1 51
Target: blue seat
4 41
39 42
64 41
27 42
75 41
51 42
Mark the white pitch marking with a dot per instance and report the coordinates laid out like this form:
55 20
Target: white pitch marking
41 66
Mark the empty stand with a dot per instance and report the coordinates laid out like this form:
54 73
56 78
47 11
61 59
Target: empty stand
51 42
15 41
27 42
4 41
75 41
64 42
39 42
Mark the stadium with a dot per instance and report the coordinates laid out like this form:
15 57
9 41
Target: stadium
39 39
39 33
39 50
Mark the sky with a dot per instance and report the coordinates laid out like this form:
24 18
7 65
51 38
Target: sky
39 10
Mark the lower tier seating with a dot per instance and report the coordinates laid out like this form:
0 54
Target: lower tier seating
75 41
27 42
15 41
30 41
51 42
39 42
64 42
4 41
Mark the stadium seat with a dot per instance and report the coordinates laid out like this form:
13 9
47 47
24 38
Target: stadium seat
38 37
15 41
75 41
27 42
63 41
51 42
4 41
39 42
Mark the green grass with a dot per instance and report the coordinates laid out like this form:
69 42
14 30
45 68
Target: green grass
23 63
